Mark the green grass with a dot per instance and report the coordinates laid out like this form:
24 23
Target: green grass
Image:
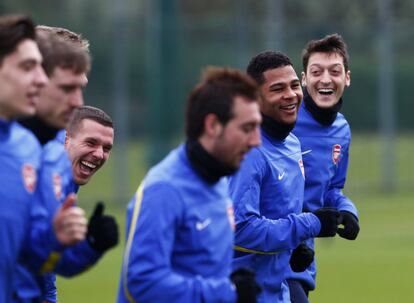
377 267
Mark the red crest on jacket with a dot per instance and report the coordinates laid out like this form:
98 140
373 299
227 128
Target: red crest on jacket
29 177
336 153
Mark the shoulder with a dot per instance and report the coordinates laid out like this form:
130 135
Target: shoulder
54 151
342 126
23 143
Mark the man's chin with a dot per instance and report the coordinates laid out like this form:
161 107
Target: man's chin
326 103
81 181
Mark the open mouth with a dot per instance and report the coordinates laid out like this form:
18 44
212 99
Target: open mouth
87 166
326 91
289 107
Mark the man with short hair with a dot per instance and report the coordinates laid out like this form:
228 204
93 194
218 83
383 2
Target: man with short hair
179 224
325 138
66 65
268 189
21 80
89 140
88 143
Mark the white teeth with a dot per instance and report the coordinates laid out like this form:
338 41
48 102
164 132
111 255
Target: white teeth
88 164
291 106
325 90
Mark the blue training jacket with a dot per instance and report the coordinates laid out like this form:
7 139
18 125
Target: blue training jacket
179 238
268 195
20 155
55 184
325 156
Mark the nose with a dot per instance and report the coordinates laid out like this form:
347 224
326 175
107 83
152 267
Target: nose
40 78
290 93
255 139
326 79
98 153
77 98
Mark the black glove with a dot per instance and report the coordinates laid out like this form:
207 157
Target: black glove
351 226
330 219
301 258
102 230
246 285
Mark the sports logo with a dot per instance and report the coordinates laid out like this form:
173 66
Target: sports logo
29 177
200 225
230 215
336 153
57 185
302 168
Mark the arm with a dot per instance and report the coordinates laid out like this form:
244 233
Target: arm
154 219
254 232
334 197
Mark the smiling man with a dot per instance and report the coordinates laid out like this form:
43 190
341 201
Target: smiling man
89 140
325 138
268 189
87 146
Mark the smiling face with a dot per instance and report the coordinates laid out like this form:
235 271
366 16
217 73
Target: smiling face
281 94
88 149
325 78
21 80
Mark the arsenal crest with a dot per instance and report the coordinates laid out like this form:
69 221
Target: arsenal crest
29 177
336 153
302 168
57 185
230 215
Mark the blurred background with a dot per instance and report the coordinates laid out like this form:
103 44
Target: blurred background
148 54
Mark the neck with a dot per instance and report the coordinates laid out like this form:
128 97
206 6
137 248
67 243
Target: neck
276 129
325 116
206 166
43 132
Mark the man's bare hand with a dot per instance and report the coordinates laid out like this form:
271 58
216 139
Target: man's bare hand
69 222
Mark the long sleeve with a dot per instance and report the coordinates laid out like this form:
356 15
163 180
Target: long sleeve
259 228
155 218
334 196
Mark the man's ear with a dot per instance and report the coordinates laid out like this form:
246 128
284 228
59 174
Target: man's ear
66 140
303 76
212 125
348 78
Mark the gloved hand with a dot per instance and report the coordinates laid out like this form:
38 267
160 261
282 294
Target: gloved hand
246 285
302 256
330 219
102 230
351 226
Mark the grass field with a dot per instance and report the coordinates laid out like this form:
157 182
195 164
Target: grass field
377 267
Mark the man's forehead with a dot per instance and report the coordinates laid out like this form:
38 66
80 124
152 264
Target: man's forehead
89 127
60 73
244 108
26 50
280 75
324 58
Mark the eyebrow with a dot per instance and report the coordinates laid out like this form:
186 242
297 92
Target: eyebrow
28 61
284 83
321 65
